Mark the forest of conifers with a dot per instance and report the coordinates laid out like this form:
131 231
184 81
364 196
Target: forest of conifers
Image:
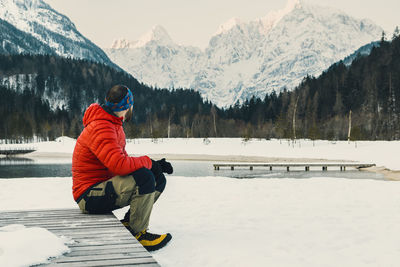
319 108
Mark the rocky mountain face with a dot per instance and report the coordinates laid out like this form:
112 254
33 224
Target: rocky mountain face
33 27
248 58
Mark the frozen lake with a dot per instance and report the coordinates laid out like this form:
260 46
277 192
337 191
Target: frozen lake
61 167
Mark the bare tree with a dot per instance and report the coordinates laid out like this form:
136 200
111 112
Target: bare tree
214 113
170 115
294 118
349 132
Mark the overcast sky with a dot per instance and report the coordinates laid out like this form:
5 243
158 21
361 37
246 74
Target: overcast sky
193 22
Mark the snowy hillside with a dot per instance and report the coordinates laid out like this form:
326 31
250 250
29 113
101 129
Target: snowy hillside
14 41
361 52
44 29
248 58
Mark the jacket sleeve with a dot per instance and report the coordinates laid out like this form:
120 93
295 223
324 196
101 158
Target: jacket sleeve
104 144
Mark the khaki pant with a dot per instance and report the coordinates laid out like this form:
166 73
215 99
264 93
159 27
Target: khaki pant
118 192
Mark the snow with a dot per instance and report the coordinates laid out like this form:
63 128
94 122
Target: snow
289 222
382 153
24 82
156 34
42 193
23 13
51 28
22 246
218 221
273 17
253 222
223 28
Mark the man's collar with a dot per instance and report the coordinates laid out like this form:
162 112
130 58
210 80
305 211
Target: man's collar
108 110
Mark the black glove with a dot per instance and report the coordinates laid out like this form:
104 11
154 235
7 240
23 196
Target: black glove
165 166
156 168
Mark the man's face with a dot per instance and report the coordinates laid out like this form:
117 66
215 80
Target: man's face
128 114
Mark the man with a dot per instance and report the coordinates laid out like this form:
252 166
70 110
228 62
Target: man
106 178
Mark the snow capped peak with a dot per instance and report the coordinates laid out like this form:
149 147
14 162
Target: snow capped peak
273 17
46 31
157 33
225 27
120 44
23 14
292 4
244 59
26 3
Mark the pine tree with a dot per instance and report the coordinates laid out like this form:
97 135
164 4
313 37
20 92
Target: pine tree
396 33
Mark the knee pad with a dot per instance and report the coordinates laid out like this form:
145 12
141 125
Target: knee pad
145 180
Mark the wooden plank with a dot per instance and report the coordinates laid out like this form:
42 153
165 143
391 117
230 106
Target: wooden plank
57 217
86 247
111 227
115 262
102 257
57 221
58 225
79 219
115 239
52 211
83 252
93 232
71 219
83 229
66 214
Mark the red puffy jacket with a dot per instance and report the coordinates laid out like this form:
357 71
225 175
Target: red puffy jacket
99 152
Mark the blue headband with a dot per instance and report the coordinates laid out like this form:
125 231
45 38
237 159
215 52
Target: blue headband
124 104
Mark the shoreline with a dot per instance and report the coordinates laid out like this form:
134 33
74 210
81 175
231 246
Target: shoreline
195 157
388 174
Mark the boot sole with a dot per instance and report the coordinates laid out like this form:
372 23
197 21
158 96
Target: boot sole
160 245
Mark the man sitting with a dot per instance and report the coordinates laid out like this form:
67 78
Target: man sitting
106 178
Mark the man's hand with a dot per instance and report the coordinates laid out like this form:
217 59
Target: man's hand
165 166
160 166
156 168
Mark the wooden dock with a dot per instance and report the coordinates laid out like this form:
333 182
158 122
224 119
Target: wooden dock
15 151
287 166
99 240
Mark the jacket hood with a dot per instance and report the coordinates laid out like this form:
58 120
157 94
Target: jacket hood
96 112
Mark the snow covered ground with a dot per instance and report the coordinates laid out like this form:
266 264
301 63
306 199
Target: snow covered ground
252 222
217 221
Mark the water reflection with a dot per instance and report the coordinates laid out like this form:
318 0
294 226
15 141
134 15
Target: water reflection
19 167
16 161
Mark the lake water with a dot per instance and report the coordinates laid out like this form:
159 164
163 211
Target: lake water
46 167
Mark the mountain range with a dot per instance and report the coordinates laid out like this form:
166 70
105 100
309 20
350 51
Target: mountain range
33 27
244 59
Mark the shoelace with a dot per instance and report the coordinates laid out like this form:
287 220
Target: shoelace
138 235
146 235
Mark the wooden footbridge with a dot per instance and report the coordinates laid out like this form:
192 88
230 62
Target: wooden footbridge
97 240
305 166
15 151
